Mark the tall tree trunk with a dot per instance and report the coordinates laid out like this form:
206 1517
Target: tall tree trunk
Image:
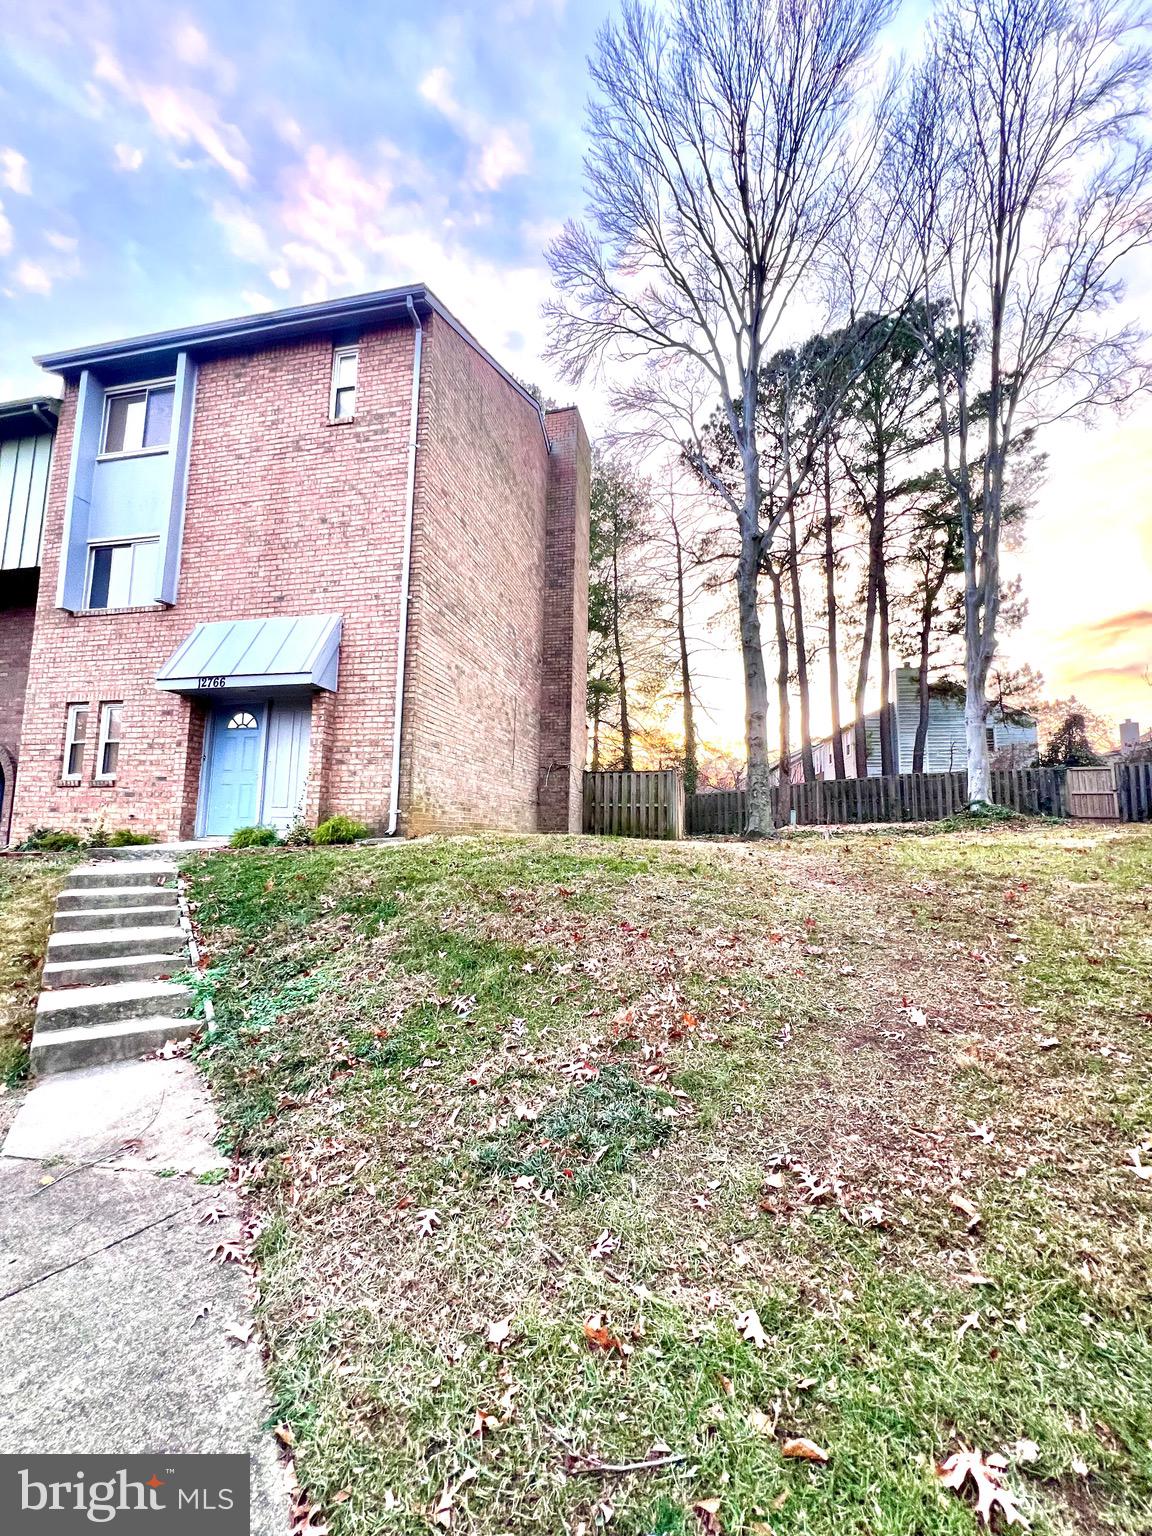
932 590
806 758
877 542
833 621
621 680
860 733
691 766
759 821
888 763
784 786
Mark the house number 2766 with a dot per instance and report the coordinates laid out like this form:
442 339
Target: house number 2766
211 682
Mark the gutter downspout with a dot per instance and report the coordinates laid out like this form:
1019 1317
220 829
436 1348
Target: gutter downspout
405 571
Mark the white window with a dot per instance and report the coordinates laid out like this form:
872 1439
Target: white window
108 748
345 367
122 575
137 420
75 735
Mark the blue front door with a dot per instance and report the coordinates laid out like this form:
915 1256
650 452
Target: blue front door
235 766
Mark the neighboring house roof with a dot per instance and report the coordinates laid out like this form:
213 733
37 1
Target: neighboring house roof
35 413
248 331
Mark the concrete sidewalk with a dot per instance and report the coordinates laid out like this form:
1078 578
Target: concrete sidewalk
113 1318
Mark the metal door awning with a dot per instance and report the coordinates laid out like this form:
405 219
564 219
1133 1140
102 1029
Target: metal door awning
300 652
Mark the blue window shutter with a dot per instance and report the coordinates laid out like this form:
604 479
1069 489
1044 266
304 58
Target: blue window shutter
78 497
172 537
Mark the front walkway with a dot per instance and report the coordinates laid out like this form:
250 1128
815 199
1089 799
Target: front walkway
118 1331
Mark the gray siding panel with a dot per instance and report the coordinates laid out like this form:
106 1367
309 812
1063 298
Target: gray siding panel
24 463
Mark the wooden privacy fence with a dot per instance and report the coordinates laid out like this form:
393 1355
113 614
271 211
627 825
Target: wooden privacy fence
1134 791
635 804
655 805
894 797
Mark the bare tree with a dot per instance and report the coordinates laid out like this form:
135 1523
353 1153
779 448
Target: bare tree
1025 185
724 166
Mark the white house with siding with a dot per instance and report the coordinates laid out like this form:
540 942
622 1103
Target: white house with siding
944 749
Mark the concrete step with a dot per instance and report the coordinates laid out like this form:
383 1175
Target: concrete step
76 1007
117 943
60 1050
93 973
88 918
110 872
92 896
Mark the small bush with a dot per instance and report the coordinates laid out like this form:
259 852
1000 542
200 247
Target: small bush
253 837
340 829
52 840
298 835
121 837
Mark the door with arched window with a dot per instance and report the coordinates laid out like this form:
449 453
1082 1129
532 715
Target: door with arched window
233 769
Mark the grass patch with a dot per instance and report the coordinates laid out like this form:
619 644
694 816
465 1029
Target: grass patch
28 889
587 1091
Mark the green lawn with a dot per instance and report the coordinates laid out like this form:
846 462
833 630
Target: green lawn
532 1125
28 890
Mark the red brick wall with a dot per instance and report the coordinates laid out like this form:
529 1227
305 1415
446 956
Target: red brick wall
563 678
286 513
289 514
17 615
471 738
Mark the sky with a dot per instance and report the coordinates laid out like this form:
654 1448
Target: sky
166 165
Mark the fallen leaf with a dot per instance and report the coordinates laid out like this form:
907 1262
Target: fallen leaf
987 1478
761 1423
286 1435
1079 1466
239 1333
227 1253
498 1330
600 1337
957 1200
707 1512
749 1328
427 1222
1023 1451
804 1450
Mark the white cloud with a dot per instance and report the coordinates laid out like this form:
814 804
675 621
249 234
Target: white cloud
255 299
5 233
280 277
14 171
190 44
497 152
246 237
183 115
128 157
33 277
60 242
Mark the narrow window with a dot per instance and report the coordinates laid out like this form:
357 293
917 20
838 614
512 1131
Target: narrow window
345 367
122 575
108 749
138 420
990 737
75 733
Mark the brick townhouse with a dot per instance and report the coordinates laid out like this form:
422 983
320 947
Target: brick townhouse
326 559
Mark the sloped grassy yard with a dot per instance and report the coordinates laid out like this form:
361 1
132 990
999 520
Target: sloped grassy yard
28 889
532 1126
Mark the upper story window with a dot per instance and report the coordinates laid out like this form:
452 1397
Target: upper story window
122 575
138 420
345 367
